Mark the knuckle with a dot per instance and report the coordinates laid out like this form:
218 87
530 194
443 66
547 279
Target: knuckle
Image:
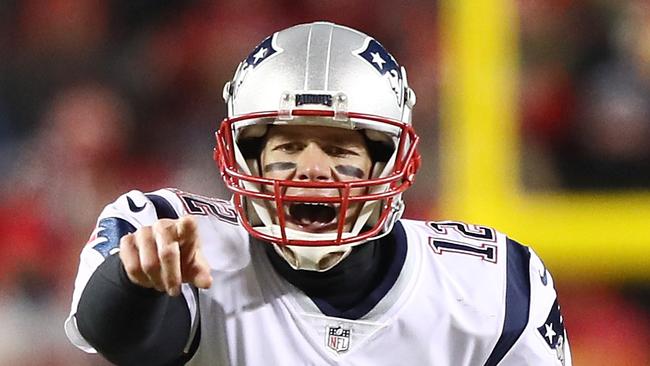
186 226
169 253
189 222
163 225
132 269
151 266
126 240
143 235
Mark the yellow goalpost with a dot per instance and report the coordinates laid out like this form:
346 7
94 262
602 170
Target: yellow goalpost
579 234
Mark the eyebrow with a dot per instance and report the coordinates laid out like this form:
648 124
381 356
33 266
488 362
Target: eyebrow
350 171
281 165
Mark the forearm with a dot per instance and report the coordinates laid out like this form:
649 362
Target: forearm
132 325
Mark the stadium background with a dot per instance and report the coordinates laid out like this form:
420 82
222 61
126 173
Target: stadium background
534 116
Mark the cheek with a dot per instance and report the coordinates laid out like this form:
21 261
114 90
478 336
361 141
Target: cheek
356 164
366 166
276 174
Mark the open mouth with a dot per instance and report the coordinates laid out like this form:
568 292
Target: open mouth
312 216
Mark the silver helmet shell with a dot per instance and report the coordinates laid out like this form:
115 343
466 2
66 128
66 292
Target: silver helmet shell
321 57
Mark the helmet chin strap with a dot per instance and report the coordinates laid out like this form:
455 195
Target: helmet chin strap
314 258
319 259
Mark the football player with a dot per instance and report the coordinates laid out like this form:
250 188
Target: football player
310 263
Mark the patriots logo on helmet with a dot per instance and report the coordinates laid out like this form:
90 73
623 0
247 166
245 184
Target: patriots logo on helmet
376 55
261 53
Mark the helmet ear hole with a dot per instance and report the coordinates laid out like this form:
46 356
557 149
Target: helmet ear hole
251 140
380 151
251 148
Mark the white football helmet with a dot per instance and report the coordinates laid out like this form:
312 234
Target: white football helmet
319 74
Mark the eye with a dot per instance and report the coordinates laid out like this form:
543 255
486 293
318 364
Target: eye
338 151
290 147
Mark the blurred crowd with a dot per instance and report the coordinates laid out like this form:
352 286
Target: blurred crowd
585 93
98 97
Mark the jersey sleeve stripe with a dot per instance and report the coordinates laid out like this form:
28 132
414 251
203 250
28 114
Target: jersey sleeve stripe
517 300
164 210
195 335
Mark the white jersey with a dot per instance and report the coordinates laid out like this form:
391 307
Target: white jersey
462 295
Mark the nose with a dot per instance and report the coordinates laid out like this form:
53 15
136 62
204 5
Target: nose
313 164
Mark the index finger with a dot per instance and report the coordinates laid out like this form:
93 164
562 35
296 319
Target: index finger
194 266
169 255
187 231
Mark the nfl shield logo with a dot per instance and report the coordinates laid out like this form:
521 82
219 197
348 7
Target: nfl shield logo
338 339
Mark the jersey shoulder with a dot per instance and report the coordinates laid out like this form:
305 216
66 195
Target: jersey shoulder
169 203
461 248
494 275
455 240
216 218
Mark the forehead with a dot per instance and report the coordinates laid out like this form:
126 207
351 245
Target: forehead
315 133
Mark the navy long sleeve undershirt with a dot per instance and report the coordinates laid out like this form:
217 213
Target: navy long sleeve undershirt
129 324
